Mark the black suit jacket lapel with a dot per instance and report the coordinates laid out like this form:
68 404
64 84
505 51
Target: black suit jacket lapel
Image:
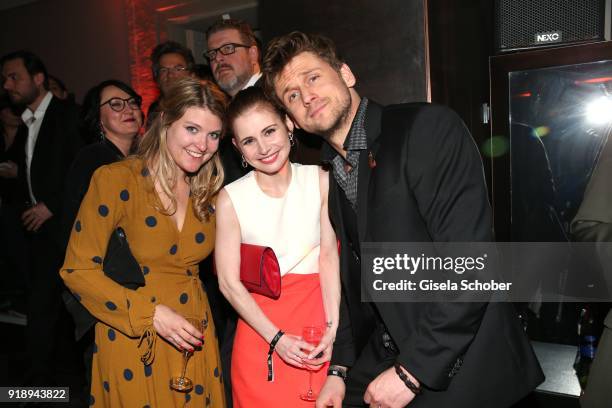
372 127
333 203
45 131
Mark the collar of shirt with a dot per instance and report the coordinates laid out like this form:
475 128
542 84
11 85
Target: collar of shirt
28 115
253 80
356 139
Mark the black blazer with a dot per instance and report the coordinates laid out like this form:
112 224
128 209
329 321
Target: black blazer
427 186
86 162
56 145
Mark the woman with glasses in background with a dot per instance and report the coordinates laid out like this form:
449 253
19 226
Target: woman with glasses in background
111 117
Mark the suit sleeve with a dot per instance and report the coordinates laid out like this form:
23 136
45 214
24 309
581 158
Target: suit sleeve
447 178
69 143
101 212
344 351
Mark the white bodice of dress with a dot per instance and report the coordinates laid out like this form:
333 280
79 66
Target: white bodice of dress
290 225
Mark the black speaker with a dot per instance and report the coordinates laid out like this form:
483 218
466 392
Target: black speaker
521 24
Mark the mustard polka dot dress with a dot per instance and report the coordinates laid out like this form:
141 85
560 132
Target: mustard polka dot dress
132 366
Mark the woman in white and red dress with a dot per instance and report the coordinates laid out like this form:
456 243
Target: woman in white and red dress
281 205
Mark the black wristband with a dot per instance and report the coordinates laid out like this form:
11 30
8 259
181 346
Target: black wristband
411 386
337 372
275 340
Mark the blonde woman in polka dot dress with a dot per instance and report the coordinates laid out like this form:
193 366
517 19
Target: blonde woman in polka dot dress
163 198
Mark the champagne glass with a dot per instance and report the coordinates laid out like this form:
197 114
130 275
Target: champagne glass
183 383
311 335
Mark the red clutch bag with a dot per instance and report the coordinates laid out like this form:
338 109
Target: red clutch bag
259 270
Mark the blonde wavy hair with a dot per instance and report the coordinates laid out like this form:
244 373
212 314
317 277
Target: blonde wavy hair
185 93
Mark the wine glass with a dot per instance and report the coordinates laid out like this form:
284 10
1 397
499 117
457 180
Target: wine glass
182 383
311 335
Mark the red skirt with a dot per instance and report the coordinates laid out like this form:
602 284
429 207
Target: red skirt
300 304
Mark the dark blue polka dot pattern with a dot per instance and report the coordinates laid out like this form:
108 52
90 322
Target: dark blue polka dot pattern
103 210
199 237
199 389
173 249
106 386
183 298
127 374
151 221
111 306
216 372
77 226
69 270
92 400
187 397
77 296
124 195
148 370
145 270
97 259
144 172
95 348
111 335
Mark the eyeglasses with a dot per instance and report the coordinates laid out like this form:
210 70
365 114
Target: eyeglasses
118 104
175 70
225 49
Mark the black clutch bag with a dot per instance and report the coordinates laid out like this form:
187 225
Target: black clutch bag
120 265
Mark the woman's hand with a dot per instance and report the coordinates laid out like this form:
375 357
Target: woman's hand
176 329
322 353
293 350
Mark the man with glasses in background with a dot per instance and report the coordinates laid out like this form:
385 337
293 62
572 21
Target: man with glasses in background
233 54
170 61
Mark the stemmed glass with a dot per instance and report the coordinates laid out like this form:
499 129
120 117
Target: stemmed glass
182 383
311 335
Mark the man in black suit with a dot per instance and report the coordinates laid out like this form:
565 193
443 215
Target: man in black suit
233 54
52 140
404 173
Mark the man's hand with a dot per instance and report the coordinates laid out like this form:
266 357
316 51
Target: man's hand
332 393
36 216
8 169
389 391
